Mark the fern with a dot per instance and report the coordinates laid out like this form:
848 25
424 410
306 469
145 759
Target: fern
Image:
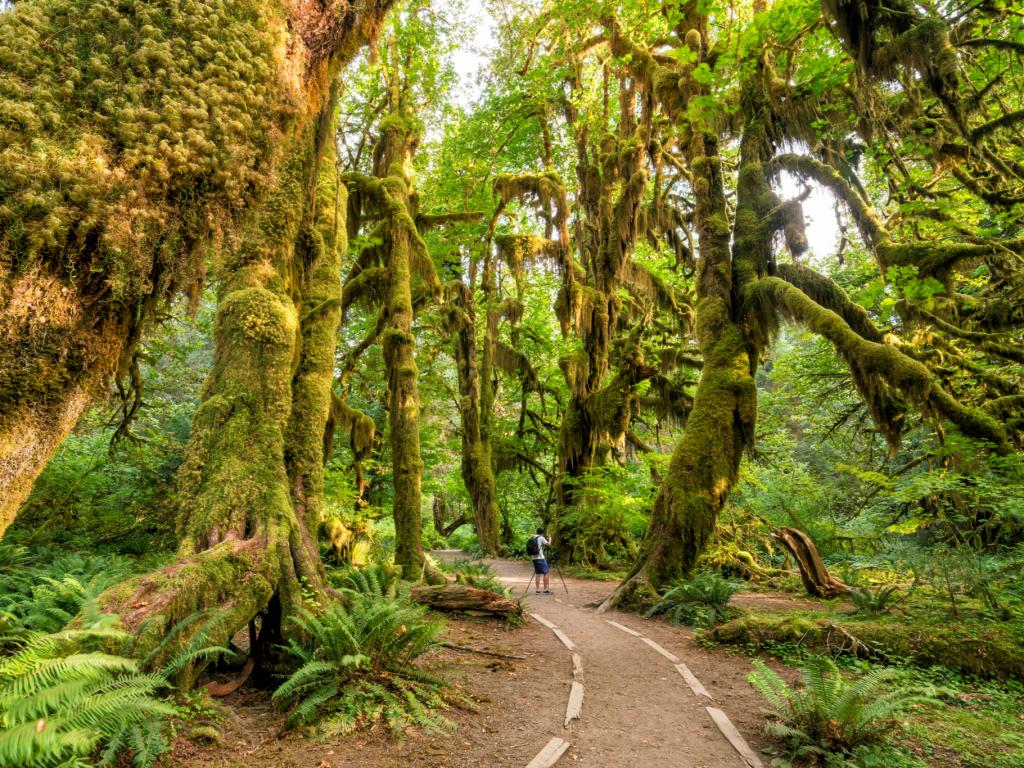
875 601
832 715
196 650
380 581
699 601
477 574
59 707
357 667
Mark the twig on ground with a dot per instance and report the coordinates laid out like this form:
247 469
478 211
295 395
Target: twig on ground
455 647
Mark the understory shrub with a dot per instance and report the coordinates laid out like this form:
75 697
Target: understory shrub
381 581
44 590
357 667
875 601
699 601
831 715
477 574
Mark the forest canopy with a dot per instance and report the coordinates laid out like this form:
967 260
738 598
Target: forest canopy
283 289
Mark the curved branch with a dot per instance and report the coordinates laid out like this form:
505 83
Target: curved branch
1011 118
828 293
807 167
870 360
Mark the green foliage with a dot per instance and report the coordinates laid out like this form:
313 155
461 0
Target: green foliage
378 581
830 716
357 667
875 601
42 589
64 706
477 574
699 601
606 528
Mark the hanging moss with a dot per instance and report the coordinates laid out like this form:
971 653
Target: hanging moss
874 364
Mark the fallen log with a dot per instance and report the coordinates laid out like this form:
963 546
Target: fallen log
462 597
818 581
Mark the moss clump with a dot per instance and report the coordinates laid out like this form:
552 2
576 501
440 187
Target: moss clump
129 124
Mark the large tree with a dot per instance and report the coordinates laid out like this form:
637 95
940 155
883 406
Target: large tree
896 93
137 137
206 127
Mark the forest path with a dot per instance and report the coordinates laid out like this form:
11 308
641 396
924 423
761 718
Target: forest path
638 710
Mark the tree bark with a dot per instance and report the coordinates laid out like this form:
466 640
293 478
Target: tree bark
114 191
477 461
705 463
815 575
250 485
462 597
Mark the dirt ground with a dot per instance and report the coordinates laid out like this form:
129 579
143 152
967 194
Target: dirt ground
637 709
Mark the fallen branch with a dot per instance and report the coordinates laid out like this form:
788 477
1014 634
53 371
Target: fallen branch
818 581
857 646
467 649
223 689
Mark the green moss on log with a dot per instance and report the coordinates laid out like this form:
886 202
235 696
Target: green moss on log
996 650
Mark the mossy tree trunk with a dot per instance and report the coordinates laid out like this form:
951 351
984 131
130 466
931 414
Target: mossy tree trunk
116 182
385 273
743 295
251 482
474 411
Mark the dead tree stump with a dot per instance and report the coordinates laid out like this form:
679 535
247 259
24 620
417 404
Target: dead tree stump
818 581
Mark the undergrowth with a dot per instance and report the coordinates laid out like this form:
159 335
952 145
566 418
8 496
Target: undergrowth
357 667
832 718
699 601
476 574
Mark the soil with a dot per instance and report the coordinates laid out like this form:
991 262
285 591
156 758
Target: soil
637 711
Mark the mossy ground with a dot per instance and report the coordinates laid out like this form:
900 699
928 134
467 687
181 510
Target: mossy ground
976 662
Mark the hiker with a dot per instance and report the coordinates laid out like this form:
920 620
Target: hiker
535 549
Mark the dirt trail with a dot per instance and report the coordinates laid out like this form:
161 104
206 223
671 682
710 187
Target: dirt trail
638 710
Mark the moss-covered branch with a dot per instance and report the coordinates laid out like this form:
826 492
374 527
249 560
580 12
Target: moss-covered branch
830 178
871 360
826 292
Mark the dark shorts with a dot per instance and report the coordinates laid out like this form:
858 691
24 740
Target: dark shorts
540 566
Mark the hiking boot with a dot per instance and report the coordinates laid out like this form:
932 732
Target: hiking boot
546 592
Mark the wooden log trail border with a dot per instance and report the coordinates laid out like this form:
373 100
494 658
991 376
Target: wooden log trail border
557 747
718 717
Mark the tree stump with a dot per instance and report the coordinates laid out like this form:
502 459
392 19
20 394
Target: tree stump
818 581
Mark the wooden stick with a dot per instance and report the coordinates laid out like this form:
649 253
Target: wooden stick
575 705
670 656
577 667
223 689
691 680
455 647
625 629
750 758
